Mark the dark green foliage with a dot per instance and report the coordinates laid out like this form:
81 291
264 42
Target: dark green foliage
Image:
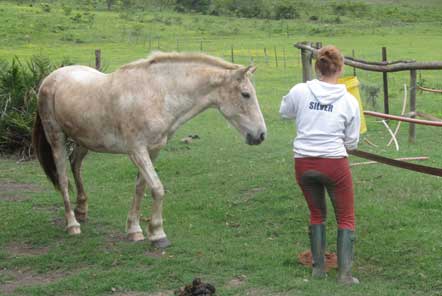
19 84
350 8
250 8
277 9
282 9
127 3
192 5
67 10
285 10
109 4
45 7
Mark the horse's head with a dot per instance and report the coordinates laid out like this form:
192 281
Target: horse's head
238 103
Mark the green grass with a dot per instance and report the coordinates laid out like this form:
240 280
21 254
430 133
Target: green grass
230 209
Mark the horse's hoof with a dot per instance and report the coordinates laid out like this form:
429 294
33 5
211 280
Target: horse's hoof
161 243
81 217
74 230
135 237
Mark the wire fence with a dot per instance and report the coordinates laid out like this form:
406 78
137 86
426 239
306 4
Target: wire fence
281 62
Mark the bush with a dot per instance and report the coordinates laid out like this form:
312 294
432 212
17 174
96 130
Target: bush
76 18
279 9
45 7
67 10
285 10
250 8
18 101
350 8
192 5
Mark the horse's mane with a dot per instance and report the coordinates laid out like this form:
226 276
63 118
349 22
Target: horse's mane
175 57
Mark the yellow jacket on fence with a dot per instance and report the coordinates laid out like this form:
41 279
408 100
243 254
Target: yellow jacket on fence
352 84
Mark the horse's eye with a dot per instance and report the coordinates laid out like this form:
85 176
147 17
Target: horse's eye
245 95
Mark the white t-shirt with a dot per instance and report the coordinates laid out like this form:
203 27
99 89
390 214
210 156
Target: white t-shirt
327 119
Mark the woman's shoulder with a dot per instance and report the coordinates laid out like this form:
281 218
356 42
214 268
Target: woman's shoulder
299 88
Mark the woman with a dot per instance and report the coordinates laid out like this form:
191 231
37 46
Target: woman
327 121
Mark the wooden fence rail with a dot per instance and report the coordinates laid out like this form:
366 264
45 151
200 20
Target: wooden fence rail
395 66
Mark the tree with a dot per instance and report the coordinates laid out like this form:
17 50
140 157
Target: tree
192 5
109 4
127 3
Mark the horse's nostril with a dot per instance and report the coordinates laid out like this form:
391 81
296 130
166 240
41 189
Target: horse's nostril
262 136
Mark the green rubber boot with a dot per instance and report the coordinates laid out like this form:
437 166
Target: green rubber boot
346 239
317 246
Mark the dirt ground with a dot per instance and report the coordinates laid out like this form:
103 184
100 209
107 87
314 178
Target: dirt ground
14 191
22 278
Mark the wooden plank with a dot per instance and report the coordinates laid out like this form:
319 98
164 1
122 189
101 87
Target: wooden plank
385 79
429 89
398 163
403 118
412 126
401 158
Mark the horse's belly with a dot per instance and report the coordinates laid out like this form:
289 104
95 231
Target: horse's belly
89 131
84 118
104 143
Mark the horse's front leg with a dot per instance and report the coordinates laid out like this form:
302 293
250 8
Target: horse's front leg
155 231
133 228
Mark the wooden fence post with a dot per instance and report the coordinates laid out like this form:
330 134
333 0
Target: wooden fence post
306 57
353 55
276 57
384 76
98 59
265 56
413 87
231 55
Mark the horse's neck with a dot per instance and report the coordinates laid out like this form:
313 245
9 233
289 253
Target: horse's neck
188 95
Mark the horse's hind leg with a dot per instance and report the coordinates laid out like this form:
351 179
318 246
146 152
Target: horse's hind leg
76 159
56 139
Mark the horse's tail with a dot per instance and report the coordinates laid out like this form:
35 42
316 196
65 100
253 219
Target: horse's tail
44 152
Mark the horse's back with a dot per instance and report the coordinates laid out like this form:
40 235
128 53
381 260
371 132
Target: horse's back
77 98
70 77
76 75
82 74
70 86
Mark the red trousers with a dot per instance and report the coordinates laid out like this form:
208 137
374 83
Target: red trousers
314 176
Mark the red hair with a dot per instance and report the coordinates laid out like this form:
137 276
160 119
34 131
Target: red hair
329 60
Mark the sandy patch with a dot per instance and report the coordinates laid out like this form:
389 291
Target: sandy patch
14 191
22 278
22 250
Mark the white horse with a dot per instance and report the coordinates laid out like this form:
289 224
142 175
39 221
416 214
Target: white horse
135 110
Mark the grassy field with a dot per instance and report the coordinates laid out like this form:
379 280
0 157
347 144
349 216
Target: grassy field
233 212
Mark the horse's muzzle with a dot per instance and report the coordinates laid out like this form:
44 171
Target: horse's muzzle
252 140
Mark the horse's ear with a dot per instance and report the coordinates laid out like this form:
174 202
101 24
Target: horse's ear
240 73
251 69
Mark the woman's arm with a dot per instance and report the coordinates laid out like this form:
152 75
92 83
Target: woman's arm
287 109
